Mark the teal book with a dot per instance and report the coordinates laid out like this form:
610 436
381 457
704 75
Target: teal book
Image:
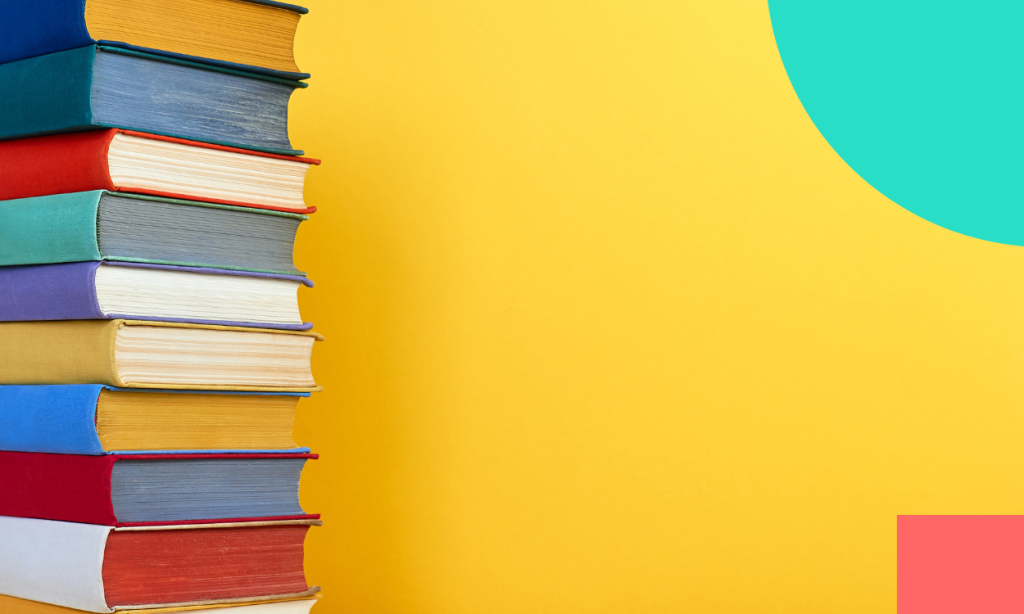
100 86
118 226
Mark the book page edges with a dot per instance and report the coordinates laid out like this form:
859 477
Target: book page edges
248 152
310 592
312 522
201 388
203 203
162 324
229 203
14 605
188 61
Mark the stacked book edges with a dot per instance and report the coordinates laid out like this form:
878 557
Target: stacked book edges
152 352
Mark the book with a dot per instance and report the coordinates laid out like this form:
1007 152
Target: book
99 86
152 489
135 291
13 605
91 419
139 354
253 35
94 420
123 227
100 568
127 161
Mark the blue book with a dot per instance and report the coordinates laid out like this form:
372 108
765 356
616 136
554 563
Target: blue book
250 35
97 420
109 87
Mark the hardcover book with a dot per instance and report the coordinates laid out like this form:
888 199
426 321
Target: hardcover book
91 419
102 569
139 354
152 489
126 161
13 605
121 227
96 86
253 35
128 290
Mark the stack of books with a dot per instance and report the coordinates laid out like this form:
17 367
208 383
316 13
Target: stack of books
152 355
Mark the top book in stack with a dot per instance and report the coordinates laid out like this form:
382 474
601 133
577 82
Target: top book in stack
150 85
250 35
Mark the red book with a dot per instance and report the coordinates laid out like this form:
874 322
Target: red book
127 161
128 490
99 569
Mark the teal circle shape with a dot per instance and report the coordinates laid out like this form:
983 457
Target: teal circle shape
922 99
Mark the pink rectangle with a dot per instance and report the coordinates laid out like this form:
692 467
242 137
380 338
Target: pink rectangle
959 564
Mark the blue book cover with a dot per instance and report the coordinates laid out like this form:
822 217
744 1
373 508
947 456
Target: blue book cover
98 86
65 419
30 28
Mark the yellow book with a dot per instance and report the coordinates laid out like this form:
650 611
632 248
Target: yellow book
246 32
13 605
137 354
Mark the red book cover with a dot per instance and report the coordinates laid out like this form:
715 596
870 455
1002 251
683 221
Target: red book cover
77 488
55 164
77 162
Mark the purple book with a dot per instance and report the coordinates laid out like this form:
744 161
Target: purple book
121 290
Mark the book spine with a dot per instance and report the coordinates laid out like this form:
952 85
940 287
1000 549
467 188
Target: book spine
75 352
57 164
53 562
49 229
68 487
30 28
47 94
49 292
51 419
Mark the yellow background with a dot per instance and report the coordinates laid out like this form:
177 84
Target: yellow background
611 328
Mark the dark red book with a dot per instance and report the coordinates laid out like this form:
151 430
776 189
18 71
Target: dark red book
126 161
127 490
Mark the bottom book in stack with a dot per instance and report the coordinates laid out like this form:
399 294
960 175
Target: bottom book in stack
97 568
13 605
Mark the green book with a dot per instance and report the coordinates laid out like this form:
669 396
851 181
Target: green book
102 225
